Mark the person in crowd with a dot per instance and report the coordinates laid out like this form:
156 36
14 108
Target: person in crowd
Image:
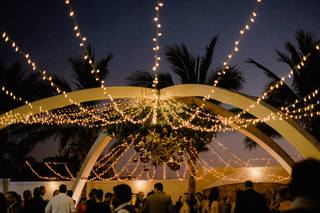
185 207
199 198
27 197
226 205
158 202
70 194
121 199
305 187
139 201
37 204
55 193
99 206
3 203
214 205
82 205
107 200
91 202
193 203
250 201
205 204
13 202
61 203
43 192
178 204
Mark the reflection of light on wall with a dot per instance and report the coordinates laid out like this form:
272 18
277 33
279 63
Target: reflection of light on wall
255 173
140 185
53 186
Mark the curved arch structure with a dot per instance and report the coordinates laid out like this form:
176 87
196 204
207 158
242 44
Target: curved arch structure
95 151
291 131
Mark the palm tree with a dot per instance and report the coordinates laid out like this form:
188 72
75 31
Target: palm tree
31 88
304 81
191 69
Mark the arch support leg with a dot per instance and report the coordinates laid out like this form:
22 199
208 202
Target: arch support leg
97 148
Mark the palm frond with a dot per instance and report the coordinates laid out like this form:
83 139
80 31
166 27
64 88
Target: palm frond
232 80
182 63
206 60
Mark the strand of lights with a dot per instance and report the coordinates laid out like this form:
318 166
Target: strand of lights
45 76
128 118
114 163
82 43
15 97
235 50
156 40
296 68
164 171
38 175
69 172
57 173
99 165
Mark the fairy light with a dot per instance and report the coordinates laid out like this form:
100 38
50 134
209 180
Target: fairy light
156 40
38 175
235 50
12 95
57 173
99 176
277 85
45 76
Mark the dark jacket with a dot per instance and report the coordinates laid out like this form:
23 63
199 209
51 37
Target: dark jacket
158 202
250 201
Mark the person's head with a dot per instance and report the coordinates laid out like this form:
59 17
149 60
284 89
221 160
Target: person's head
108 197
214 194
70 193
186 197
11 197
27 195
305 178
158 187
199 196
99 195
140 195
83 201
121 194
248 184
92 194
55 193
180 198
62 188
42 190
36 192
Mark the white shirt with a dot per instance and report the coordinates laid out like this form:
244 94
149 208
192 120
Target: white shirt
120 210
60 203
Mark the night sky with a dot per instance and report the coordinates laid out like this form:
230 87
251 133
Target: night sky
125 28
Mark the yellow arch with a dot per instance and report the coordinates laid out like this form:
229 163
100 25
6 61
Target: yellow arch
291 131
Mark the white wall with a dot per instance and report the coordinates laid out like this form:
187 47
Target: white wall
51 186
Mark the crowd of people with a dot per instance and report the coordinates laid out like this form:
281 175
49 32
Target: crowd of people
302 195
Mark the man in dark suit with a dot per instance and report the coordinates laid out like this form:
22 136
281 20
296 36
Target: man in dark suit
305 187
250 201
158 202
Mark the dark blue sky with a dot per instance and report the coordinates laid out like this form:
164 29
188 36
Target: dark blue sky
125 28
